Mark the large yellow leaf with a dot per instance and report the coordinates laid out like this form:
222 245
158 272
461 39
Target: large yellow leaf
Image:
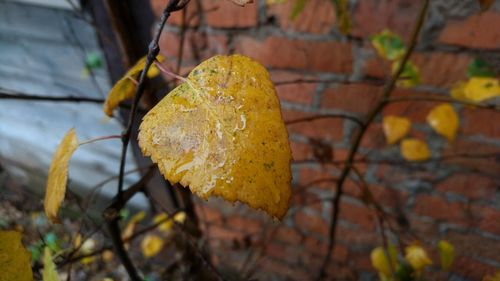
444 120
417 257
395 128
49 268
478 89
58 175
125 87
221 133
382 262
415 150
151 245
15 260
446 254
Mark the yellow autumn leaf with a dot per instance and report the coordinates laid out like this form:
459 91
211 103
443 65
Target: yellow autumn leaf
457 91
446 254
49 268
15 260
478 89
417 257
180 217
444 120
166 224
58 175
380 261
88 247
222 134
395 128
151 245
415 150
125 87
107 256
129 229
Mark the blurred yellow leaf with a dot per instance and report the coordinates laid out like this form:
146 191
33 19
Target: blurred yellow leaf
444 120
395 128
180 217
107 255
241 2
151 245
58 175
125 88
15 260
446 254
166 224
415 150
49 268
478 89
380 261
457 91
221 133
129 229
87 247
417 257
272 2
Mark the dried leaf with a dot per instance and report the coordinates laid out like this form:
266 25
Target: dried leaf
444 120
380 261
417 257
241 2
15 260
446 254
125 87
479 89
49 268
395 128
221 133
485 4
388 45
58 175
415 150
151 245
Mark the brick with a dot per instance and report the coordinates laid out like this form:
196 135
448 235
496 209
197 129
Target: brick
191 10
384 196
490 220
207 214
248 226
323 178
372 16
308 223
374 137
477 31
356 214
318 16
300 151
472 186
423 229
224 14
471 269
222 233
416 111
489 165
442 210
441 69
481 122
197 46
318 248
287 234
280 52
359 98
302 93
476 246
329 129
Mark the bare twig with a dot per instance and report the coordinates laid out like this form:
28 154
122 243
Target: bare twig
324 116
357 141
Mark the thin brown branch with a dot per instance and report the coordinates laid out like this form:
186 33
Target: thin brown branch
324 116
438 98
7 94
357 141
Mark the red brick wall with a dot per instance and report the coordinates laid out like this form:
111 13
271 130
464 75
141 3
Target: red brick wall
456 199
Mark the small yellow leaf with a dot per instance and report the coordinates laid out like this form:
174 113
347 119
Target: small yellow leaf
151 245
444 120
241 2
180 217
87 247
395 128
221 133
479 89
380 261
15 260
125 88
49 268
415 150
446 254
457 91
166 224
58 175
410 77
417 257
107 255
